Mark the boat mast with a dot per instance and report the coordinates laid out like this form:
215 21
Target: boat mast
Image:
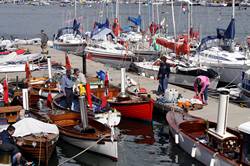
117 9
173 18
139 13
75 9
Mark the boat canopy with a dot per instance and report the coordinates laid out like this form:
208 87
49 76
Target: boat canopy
204 41
29 126
245 127
102 34
136 21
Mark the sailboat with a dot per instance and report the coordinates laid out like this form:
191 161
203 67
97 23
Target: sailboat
105 48
224 58
70 38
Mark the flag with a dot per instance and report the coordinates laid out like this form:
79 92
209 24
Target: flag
116 27
27 71
106 81
104 101
6 92
49 100
88 93
67 62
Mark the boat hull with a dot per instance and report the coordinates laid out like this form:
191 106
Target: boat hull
178 79
202 153
116 60
40 150
75 48
106 148
140 110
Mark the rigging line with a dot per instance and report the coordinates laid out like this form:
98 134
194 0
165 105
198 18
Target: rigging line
65 161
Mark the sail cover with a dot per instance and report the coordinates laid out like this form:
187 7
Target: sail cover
29 126
102 25
136 21
229 33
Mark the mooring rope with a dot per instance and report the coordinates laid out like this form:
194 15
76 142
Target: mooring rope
83 150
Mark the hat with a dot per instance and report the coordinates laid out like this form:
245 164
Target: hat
76 70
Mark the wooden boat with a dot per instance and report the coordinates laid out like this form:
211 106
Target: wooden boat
40 145
39 141
136 107
105 116
194 135
68 124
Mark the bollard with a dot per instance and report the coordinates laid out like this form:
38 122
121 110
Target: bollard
25 99
83 111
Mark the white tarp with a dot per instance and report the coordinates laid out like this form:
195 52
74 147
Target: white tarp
102 35
29 126
245 127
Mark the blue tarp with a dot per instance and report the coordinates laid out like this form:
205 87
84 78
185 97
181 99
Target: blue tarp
102 25
205 40
136 21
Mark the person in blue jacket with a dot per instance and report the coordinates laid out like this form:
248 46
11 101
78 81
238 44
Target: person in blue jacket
8 144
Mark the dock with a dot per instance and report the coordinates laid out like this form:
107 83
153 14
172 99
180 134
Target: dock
236 116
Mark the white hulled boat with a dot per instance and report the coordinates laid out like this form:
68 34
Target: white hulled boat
182 73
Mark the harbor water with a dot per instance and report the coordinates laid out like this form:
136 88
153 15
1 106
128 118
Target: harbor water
25 21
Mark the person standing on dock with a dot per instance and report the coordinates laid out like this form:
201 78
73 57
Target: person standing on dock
44 40
163 75
67 84
201 85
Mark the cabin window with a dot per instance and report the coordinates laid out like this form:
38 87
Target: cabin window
119 48
241 59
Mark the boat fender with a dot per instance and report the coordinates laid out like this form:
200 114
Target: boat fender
213 159
193 151
176 138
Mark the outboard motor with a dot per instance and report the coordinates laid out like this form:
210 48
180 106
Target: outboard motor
245 131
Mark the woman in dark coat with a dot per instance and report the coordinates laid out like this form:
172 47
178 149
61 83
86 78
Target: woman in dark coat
163 75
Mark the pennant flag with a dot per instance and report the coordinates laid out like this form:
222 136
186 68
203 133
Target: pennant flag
88 93
27 71
49 100
104 102
6 92
67 61
116 27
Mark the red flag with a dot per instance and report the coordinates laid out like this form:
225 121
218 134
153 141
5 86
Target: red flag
116 27
67 65
88 93
106 82
6 92
27 71
49 100
104 101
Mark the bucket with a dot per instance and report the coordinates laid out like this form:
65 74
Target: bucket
180 103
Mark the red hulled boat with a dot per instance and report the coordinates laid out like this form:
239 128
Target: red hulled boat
131 106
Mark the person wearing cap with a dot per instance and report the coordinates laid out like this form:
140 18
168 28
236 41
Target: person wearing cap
67 83
44 40
163 75
201 85
79 77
